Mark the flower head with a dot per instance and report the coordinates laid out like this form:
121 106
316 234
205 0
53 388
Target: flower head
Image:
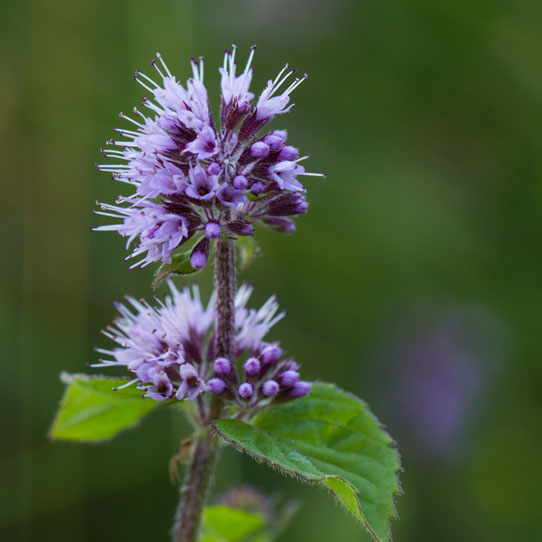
169 349
188 172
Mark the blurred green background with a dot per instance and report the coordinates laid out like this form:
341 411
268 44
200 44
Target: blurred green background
414 280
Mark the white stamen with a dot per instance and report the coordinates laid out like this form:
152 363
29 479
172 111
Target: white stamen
250 57
123 116
143 84
149 79
159 56
127 384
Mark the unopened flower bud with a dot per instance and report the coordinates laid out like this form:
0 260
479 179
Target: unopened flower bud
288 153
259 149
240 227
270 388
216 385
240 182
212 230
270 354
257 188
200 253
300 389
289 378
252 367
275 140
214 169
280 223
222 366
246 390
287 204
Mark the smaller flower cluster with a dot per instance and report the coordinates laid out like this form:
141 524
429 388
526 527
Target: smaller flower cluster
170 350
263 377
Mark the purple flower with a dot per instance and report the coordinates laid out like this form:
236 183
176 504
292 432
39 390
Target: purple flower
230 197
202 186
270 103
169 350
205 145
159 231
285 173
192 385
185 170
161 389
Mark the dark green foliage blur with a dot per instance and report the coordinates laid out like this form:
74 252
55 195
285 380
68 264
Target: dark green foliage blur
413 281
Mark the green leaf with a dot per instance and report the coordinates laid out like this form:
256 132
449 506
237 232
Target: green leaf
248 249
180 265
91 410
225 524
328 437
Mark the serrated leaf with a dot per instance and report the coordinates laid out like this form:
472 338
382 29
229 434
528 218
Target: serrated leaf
225 524
248 249
92 411
180 265
328 437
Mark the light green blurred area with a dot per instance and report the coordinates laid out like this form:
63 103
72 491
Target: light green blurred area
427 118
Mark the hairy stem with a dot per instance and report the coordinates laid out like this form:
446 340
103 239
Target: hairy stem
225 287
198 477
195 488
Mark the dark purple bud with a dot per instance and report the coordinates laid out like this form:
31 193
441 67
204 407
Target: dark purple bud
259 149
216 385
280 223
289 378
257 188
240 182
214 169
222 366
270 388
275 140
288 153
212 230
300 389
252 367
240 227
246 390
287 204
200 253
270 354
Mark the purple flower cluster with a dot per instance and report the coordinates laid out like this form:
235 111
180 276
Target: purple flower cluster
171 352
196 180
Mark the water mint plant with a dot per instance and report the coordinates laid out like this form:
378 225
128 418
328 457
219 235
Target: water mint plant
200 189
